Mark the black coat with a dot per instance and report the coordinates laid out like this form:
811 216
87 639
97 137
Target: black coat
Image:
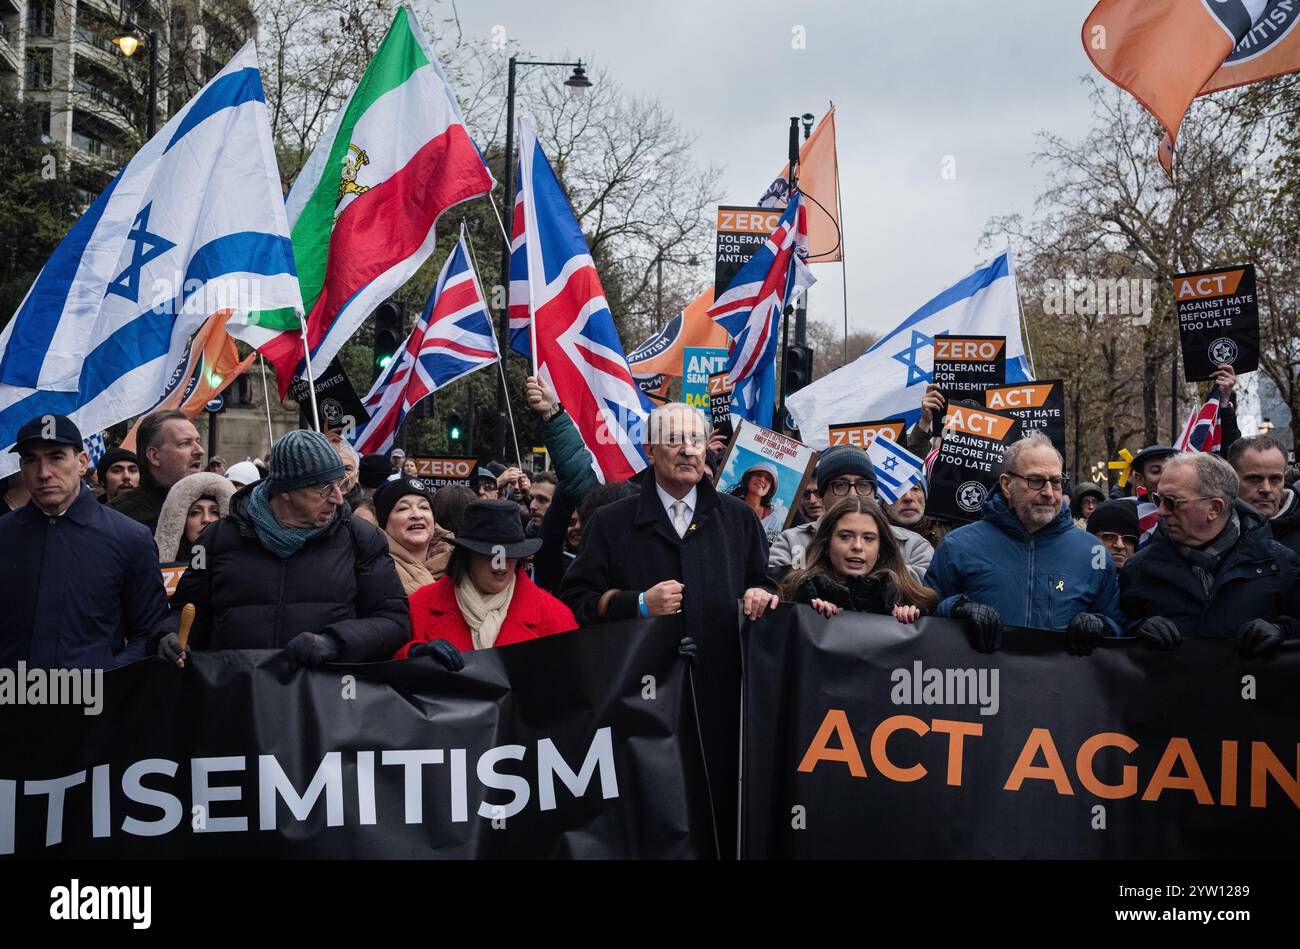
144 502
1286 527
630 545
1258 579
342 582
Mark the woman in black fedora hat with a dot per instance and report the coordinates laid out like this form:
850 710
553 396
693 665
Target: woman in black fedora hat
485 600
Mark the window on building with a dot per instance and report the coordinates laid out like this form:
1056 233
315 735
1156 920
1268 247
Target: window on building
40 69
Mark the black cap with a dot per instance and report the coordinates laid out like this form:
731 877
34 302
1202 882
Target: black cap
1121 517
373 471
58 429
1151 453
112 457
391 492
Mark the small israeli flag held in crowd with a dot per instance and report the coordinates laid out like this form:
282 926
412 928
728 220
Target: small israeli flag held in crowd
897 469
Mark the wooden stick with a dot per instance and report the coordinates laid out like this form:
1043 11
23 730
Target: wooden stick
187 620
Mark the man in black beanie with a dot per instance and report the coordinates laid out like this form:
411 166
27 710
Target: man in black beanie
1115 524
118 471
373 471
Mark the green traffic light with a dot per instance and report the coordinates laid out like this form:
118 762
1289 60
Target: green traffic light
455 434
384 361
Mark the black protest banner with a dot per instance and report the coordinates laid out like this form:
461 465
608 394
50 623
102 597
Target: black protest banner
720 389
969 461
577 745
868 738
741 232
438 471
862 434
337 403
1218 320
964 366
1040 406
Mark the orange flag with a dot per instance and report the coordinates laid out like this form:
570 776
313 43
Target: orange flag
1165 53
657 361
213 364
819 181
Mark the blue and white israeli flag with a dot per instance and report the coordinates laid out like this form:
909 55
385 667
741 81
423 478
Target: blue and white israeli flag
889 379
193 224
897 469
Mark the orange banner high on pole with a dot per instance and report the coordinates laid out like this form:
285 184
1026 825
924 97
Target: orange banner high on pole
1165 53
213 365
820 183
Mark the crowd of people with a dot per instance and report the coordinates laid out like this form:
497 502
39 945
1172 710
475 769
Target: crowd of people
330 556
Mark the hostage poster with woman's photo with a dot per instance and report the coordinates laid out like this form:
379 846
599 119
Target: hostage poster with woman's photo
767 471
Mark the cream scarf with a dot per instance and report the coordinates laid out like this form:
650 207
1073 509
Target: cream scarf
484 614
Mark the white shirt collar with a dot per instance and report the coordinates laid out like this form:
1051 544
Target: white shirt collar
668 501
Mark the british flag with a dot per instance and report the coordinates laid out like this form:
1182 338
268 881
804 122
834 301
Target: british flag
452 339
1203 432
556 298
751 307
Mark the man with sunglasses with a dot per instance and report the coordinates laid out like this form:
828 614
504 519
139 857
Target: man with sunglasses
1115 524
1212 569
290 568
1025 563
842 471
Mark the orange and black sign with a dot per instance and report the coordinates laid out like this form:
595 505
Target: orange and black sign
862 434
720 389
1040 406
741 232
966 469
1218 320
171 576
964 366
438 471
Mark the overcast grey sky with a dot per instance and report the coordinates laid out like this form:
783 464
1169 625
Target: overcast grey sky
912 82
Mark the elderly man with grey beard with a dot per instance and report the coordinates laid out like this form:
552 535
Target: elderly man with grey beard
1212 569
1025 563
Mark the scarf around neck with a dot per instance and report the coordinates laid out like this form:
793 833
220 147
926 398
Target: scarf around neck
282 541
484 614
1206 561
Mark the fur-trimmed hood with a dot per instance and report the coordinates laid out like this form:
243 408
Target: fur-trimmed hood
170 535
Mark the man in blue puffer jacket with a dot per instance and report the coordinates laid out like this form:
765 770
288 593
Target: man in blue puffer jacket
1026 563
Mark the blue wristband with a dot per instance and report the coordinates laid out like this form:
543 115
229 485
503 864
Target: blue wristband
641 607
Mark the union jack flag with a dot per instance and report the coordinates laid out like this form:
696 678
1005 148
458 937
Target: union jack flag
452 339
751 309
555 288
1202 432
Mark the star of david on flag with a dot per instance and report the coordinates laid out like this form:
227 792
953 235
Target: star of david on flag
897 469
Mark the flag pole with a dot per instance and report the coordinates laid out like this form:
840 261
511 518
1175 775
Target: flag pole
311 381
839 226
266 398
501 363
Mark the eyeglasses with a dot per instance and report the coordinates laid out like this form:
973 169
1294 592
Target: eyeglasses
1038 482
863 489
1110 539
329 487
809 494
1164 501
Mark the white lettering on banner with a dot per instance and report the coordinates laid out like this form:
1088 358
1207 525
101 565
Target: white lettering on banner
156 810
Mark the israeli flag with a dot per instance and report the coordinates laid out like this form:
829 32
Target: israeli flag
897 469
194 223
889 379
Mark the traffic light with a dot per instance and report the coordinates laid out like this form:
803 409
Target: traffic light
389 327
798 368
455 430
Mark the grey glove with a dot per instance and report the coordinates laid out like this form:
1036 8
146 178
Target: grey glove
169 648
689 650
1258 637
1083 633
983 623
447 655
1158 632
312 649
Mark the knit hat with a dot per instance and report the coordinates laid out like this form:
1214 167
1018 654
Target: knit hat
386 497
302 458
373 471
1081 491
1121 517
840 461
112 457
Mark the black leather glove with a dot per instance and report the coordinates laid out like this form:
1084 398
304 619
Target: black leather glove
1158 632
1083 633
447 655
312 649
689 650
169 647
1258 637
983 623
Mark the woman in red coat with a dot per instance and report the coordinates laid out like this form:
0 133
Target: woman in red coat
485 600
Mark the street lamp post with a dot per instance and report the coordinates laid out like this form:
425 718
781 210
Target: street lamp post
577 82
128 42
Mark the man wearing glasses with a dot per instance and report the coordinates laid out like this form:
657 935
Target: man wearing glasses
842 471
1025 563
1115 524
1212 569
290 568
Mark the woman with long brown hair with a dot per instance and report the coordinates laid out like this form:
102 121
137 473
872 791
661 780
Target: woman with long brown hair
854 563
